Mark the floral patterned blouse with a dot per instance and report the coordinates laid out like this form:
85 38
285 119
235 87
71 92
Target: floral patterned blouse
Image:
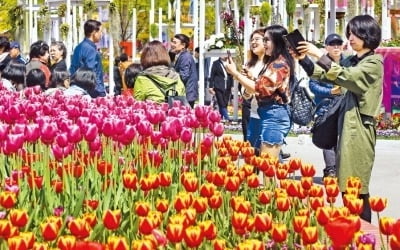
273 82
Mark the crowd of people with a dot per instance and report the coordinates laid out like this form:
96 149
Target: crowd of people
266 80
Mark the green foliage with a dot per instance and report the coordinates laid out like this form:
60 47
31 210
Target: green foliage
153 30
89 6
391 43
378 11
266 11
290 9
64 29
62 9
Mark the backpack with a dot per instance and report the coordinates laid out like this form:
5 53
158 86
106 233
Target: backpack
302 106
325 128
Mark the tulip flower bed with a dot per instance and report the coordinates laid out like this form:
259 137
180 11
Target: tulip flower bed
116 173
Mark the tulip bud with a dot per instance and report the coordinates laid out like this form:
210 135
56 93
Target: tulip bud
309 235
18 217
279 232
66 242
174 232
193 236
112 219
17 243
263 222
49 230
117 243
378 204
8 199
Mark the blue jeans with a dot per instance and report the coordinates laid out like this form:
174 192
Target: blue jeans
275 123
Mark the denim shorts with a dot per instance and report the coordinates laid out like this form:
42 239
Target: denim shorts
275 123
254 131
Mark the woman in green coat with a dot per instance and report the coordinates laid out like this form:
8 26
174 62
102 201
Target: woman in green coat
362 77
157 76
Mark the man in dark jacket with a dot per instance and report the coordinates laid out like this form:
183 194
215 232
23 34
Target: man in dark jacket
221 84
86 55
185 66
5 57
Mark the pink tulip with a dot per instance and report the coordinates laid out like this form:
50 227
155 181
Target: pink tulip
48 132
91 132
95 145
144 128
14 112
217 129
4 128
74 134
47 109
191 121
186 135
82 122
201 112
160 237
73 111
155 138
208 140
97 119
108 128
62 140
119 126
18 128
32 132
13 143
155 116
214 116
30 110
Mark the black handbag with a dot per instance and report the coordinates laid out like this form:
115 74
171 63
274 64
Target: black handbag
302 106
325 128
171 95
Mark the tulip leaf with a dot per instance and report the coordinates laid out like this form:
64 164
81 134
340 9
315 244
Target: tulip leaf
79 203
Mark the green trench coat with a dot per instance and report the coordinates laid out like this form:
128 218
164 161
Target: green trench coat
357 132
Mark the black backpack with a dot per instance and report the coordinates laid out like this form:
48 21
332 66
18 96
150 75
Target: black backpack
302 106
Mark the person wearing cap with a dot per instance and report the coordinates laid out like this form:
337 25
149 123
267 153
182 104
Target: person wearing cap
15 52
324 92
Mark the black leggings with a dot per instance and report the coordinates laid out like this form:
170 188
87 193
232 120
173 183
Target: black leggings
366 213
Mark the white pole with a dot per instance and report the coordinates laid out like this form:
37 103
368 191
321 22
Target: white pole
386 25
30 20
178 17
196 23
80 28
134 34
202 14
34 31
151 18
217 20
73 27
235 83
247 29
69 38
169 10
111 83
332 18
160 25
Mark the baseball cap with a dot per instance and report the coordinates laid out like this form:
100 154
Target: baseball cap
333 38
15 44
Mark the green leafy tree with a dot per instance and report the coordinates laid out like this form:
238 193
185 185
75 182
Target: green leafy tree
10 16
290 9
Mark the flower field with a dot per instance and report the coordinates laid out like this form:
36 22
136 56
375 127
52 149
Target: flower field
117 174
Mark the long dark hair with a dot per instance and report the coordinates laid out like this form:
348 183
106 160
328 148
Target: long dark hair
253 57
276 33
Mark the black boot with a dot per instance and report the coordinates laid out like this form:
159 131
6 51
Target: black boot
329 171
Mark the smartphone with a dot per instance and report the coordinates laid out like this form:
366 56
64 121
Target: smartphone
292 40
229 56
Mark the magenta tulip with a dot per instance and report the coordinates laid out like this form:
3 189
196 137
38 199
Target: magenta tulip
73 111
191 121
62 139
74 134
13 143
48 132
154 116
119 126
208 140
217 129
14 112
201 112
91 132
4 130
144 128
108 128
214 116
186 135
59 153
32 132
95 145
30 110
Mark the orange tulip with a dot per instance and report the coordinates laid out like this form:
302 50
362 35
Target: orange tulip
307 170
219 244
283 204
104 168
66 242
117 243
264 196
40 246
223 161
355 205
378 204
29 237
162 205
396 229
191 184
232 183
353 182
332 190
129 180
142 208
165 179
219 178
293 188
330 180
309 235
394 243
49 230
93 204
239 220
79 228
5 228
323 215
146 225
281 173
253 181
207 190
182 201
215 201
174 232
8 199
248 151
90 218
193 236
239 204
295 164
18 217
306 182
200 204
299 222
112 219
57 186
263 222
17 243
209 229
386 225
316 202
316 191
341 231
144 244
279 232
